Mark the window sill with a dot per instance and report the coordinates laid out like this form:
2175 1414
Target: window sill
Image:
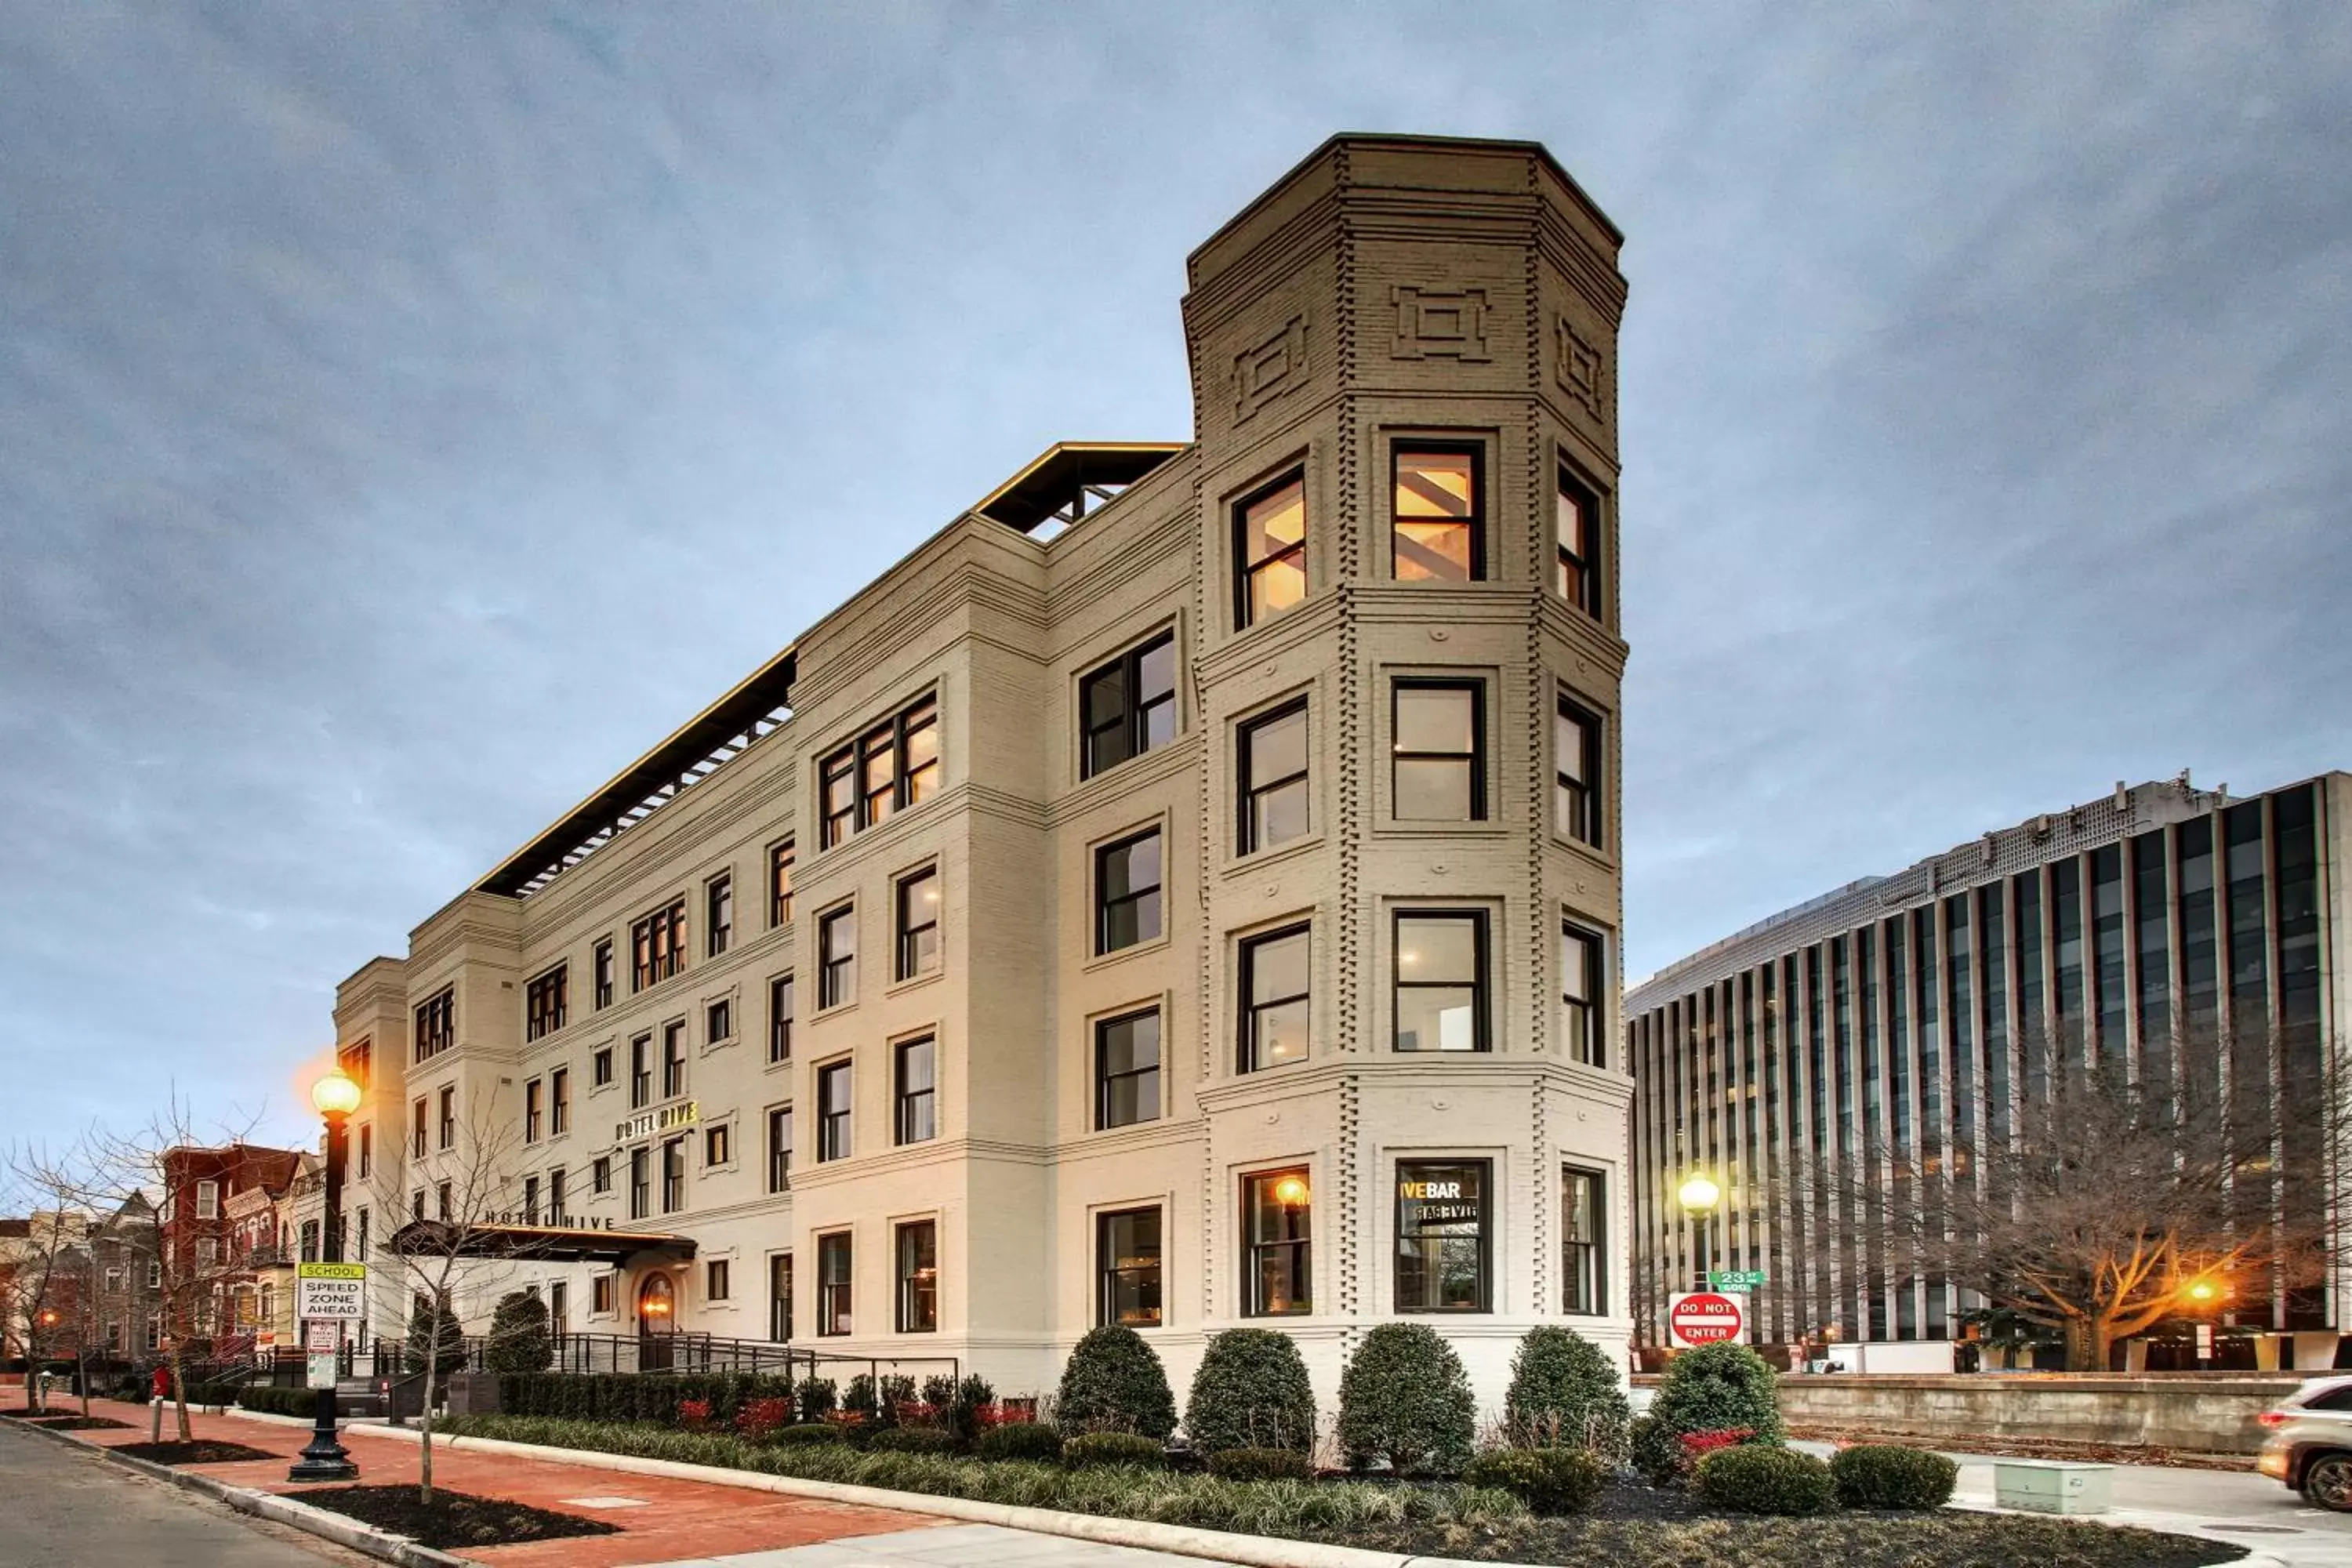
1582 850
1159 943
719 1045
1443 827
778 1064
822 1014
917 981
1256 860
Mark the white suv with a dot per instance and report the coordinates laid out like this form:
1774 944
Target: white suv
2310 1443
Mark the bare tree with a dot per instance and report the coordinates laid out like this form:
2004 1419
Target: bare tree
47 1277
2113 1193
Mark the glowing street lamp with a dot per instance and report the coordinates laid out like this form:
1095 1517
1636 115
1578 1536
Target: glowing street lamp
335 1096
1698 1196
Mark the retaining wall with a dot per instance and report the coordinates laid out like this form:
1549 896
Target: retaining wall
2210 1413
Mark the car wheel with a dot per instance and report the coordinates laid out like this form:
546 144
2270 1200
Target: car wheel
2327 1481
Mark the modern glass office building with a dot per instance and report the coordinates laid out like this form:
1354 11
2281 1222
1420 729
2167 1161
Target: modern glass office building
2182 933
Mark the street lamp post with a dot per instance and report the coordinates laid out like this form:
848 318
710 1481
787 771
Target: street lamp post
324 1458
1698 1196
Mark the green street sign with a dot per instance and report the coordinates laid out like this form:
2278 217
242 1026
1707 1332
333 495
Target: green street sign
1737 1280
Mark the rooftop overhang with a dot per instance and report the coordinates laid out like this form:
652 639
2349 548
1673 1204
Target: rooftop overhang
1070 480
582 1241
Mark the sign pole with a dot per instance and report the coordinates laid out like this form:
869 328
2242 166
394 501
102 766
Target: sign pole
324 1458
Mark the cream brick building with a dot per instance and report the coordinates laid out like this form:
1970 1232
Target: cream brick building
1225 835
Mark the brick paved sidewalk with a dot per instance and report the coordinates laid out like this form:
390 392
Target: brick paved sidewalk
660 1521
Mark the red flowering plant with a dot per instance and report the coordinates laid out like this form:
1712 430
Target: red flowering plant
694 1415
1697 1445
759 1417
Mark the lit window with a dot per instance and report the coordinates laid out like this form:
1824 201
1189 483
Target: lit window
718 1144
657 946
1441 981
1274 989
1270 545
919 923
1438 533
833 1283
780 884
1130 705
544 1010
1127 892
919 1278
1276 1220
1577 533
892 766
1273 757
915 1119
1126 1252
1126 1070
1440 773
1441 1236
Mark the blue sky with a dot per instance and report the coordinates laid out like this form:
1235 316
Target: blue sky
407 413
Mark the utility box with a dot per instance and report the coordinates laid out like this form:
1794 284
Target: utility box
2053 1486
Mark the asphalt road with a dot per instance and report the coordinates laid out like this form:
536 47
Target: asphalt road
68 1509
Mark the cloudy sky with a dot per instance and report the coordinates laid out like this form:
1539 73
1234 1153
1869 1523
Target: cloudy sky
408 412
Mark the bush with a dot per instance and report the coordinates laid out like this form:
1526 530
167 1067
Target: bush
811 1432
1096 1449
1261 1465
914 1440
1886 1475
1114 1383
940 1393
1020 1441
1251 1392
1405 1398
1564 1393
1720 1388
694 1415
963 1415
758 1419
815 1395
438 1336
1656 1451
1548 1481
519 1336
1758 1478
301 1402
862 1398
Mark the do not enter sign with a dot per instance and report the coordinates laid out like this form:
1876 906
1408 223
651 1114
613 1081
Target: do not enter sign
1704 1318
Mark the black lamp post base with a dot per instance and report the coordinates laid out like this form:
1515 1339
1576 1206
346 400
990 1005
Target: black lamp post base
324 1458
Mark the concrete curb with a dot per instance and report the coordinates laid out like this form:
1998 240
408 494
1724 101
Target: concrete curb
272 1506
1184 1541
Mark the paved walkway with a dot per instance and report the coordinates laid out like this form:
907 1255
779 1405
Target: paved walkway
661 1521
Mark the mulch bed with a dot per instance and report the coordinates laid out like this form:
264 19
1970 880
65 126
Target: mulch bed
2032 1447
1849 1539
454 1519
201 1452
76 1423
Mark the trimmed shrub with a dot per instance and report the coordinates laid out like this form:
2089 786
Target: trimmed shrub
1405 1398
897 1393
519 1336
1887 1474
811 1432
1759 1477
1251 1392
1098 1448
1020 1441
914 1440
1548 1481
964 1415
1114 1383
1261 1465
862 1398
1564 1393
301 1402
1720 1388
815 1395
438 1336
1656 1451
939 1392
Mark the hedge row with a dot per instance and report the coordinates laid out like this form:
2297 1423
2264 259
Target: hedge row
302 1402
635 1396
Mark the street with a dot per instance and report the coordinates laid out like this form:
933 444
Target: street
70 1508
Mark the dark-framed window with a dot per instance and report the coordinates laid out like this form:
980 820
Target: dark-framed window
534 1095
719 914
1272 756
1438 746
1443 1242
718 1144
1126 1070
1581 955
367 1149
556 1196
543 1003
437 1024
780 1018
658 945
1577 765
1438 513
600 1293
673 1065
717 1280
1276 985
1278 1227
530 1200
1270 549
919 1277
832 1091
915 1102
917 902
1441 992
600 1174
600 1066
641 1072
1127 891
1576 534
601 974
836 956
1127 1264
448 1116
416 1145
1584 1231
834 1263
781 858
780 1149
442 1196
719 1020
779 1297
559 1101
673 1158
893 766
1128 705
641 1185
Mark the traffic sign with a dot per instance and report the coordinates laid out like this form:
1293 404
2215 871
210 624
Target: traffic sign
1741 1280
1697 1318
331 1290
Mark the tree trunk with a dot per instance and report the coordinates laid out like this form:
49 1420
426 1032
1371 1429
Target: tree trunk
424 1429
2089 1341
180 1397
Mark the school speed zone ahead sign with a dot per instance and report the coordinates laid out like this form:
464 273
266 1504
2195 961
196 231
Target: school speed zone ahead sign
1698 1318
331 1290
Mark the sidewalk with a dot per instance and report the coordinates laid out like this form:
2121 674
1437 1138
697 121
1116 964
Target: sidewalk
661 1521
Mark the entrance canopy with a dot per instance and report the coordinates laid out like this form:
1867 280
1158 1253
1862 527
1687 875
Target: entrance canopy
580 1242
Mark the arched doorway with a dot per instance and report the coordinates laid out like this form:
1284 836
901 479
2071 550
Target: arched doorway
657 1321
